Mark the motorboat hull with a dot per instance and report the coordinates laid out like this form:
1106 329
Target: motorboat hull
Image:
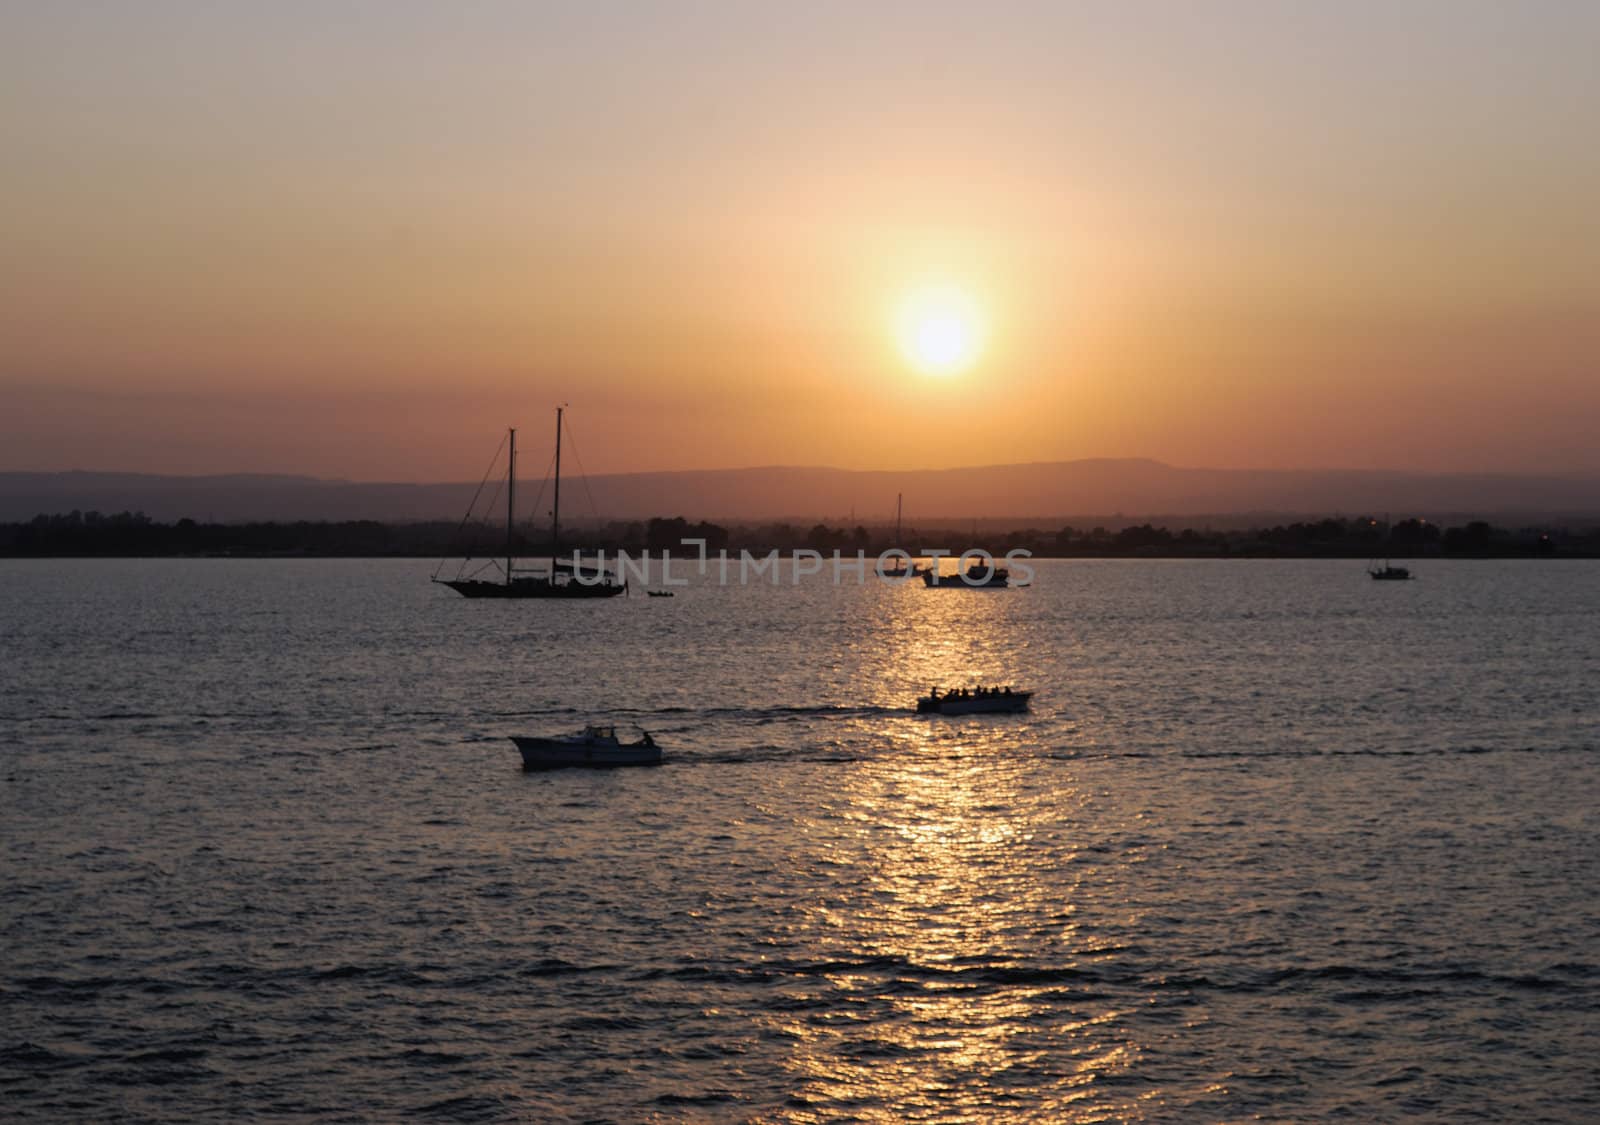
557 753
997 704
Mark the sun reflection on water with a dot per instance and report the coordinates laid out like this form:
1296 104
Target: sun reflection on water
948 976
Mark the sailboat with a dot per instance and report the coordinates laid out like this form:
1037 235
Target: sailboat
897 568
562 579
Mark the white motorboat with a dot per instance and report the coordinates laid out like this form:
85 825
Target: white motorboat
596 745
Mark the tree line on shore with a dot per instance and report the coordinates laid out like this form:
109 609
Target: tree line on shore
133 534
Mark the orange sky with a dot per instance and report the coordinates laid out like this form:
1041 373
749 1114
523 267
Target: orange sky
360 240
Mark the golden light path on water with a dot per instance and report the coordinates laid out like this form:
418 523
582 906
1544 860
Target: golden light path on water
952 917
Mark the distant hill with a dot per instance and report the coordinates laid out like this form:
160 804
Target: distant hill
1032 492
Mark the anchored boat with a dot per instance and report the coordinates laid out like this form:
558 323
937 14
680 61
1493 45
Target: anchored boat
561 580
898 568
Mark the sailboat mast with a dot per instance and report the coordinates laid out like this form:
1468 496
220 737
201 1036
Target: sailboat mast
511 499
555 515
898 496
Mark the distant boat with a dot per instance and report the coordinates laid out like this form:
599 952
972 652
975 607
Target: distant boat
595 746
974 701
562 578
979 576
898 568
1387 572
659 593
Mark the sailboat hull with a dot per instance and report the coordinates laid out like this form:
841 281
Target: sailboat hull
532 588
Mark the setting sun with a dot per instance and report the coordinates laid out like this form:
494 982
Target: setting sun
939 329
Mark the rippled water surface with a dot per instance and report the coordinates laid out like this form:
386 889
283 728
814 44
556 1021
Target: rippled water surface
1276 842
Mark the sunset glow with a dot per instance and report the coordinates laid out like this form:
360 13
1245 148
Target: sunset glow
940 329
262 238
905 561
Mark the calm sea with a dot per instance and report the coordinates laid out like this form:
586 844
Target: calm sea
1276 842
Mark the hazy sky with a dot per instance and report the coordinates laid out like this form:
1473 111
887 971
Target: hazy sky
360 239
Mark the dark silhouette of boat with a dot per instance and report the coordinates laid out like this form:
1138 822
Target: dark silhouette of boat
974 701
563 579
1388 573
979 576
898 569
659 593
596 746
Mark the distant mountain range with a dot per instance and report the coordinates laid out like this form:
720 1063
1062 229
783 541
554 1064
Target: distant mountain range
1036 493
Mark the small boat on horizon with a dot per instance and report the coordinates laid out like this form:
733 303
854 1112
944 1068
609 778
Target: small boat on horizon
596 746
979 576
974 701
898 568
1388 573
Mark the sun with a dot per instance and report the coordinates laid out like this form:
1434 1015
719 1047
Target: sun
940 329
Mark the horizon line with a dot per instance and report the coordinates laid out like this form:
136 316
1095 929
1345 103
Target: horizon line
1559 474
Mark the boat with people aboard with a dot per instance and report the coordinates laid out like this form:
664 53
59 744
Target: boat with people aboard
974 701
561 580
597 745
979 576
